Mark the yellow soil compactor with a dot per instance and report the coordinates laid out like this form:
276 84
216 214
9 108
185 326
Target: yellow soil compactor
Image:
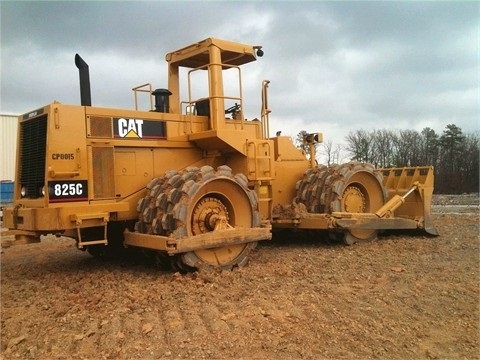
191 180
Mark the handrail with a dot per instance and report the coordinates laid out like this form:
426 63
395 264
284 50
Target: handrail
265 111
139 89
254 158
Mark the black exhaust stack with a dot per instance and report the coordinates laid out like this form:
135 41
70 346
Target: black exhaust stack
162 101
85 97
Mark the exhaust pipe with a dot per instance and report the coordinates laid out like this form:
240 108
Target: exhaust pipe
82 66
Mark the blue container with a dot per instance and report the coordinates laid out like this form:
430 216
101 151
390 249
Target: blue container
6 192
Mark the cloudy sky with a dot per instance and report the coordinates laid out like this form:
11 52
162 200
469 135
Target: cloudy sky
334 67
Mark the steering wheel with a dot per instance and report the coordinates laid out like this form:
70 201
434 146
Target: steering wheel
233 109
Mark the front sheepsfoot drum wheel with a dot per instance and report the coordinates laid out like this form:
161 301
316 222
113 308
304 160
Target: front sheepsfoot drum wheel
352 187
198 201
208 213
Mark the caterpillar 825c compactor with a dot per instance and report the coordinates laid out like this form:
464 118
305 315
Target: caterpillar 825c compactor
191 179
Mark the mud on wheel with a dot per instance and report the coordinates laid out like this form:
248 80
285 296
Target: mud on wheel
192 202
352 187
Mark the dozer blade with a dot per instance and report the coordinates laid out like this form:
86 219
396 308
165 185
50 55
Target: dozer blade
417 204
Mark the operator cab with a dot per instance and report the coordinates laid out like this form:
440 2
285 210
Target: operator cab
214 79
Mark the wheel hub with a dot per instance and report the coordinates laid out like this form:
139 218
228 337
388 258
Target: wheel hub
206 214
209 213
354 200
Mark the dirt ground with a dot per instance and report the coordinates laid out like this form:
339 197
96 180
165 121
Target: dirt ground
402 296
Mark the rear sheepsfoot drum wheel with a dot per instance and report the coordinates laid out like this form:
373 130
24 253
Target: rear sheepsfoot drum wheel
352 187
197 201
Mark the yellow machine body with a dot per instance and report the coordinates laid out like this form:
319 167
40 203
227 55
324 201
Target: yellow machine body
192 178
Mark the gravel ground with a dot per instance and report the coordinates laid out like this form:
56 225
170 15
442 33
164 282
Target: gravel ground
403 296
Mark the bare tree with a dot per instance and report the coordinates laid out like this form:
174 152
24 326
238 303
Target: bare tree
384 154
328 151
407 148
337 154
332 152
359 145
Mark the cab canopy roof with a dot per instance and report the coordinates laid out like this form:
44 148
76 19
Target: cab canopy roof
198 54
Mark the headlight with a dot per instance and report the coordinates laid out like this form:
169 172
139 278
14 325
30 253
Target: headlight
42 190
23 191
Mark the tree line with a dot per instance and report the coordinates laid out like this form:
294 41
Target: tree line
453 154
